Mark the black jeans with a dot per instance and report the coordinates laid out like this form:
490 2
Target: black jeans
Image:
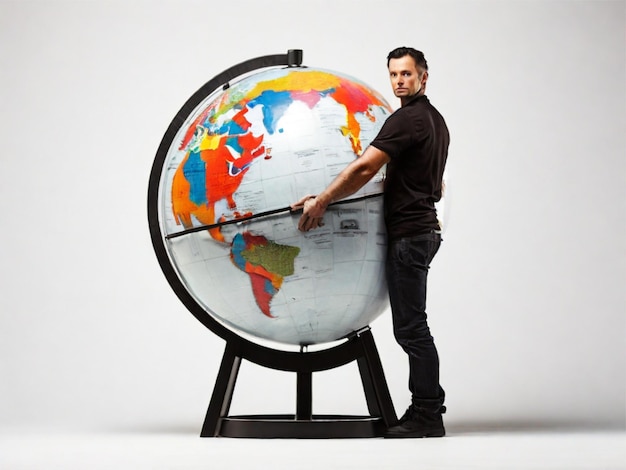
408 260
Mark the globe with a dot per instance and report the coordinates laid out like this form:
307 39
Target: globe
241 157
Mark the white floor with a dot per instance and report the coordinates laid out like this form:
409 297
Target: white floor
463 448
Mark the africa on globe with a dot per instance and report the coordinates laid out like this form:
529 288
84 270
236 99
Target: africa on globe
242 156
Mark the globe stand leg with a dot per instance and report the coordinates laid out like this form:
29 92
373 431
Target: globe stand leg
374 384
304 396
222 393
359 347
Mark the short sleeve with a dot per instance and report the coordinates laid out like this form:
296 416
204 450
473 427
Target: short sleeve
395 136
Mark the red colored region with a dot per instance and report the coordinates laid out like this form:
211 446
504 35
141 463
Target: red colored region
220 183
224 174
239 215
352 97
254 240
251 145
356 100
261 295
240 119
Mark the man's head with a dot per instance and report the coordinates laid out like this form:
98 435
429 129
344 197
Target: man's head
408 72
418 56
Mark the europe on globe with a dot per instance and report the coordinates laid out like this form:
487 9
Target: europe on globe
243 155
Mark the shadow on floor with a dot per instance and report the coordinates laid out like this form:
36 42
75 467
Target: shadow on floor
497 427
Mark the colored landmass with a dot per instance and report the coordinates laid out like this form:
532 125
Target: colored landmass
266 262
219 148
219 152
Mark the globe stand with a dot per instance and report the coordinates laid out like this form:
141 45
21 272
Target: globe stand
359 347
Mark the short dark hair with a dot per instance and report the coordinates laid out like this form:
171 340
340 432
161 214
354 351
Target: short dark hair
418 56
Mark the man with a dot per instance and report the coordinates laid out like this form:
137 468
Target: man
413 142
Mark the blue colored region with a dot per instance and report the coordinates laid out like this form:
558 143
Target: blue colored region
195 173
274 103
269 288
236 250
230 128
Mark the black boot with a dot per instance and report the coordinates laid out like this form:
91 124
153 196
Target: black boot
418 422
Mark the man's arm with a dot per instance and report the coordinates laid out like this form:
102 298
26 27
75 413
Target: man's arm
349 181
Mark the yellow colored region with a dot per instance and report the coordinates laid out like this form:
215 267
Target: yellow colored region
313 80
210 142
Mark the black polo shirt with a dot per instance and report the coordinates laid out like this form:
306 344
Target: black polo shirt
416 139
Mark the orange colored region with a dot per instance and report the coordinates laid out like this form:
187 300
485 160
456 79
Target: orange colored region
297 82
181 204
353 130
275 279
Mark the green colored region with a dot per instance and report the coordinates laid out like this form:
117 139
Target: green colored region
275 258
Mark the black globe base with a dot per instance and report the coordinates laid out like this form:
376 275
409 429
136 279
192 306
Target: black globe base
289 427
359 347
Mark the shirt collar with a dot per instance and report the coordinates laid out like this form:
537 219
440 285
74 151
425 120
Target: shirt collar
414 99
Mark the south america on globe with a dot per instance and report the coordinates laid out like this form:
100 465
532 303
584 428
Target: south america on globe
246 152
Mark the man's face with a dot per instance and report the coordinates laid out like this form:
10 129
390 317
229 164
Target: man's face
406 78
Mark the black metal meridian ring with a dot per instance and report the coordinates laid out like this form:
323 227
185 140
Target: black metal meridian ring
293 58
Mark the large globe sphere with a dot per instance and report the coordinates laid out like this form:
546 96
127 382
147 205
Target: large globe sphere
241 158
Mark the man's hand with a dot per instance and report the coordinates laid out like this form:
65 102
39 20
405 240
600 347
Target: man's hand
312 213
349 181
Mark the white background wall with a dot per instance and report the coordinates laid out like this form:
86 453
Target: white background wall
527 298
